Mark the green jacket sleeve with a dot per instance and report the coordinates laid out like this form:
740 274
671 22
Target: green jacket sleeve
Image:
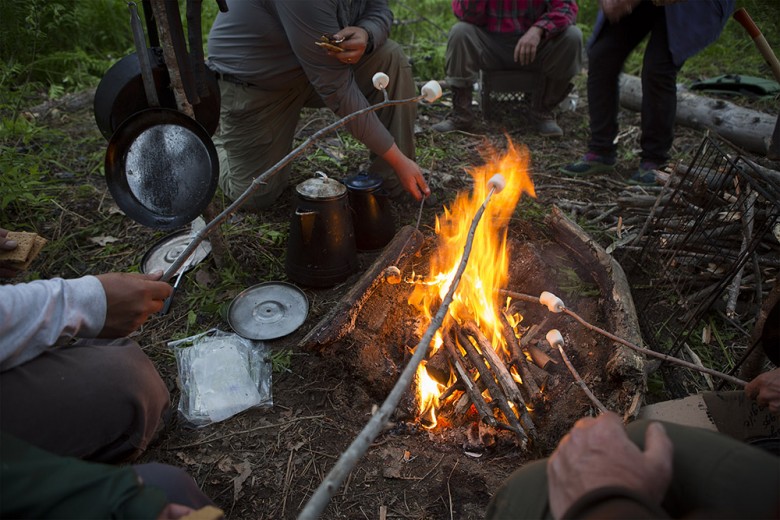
38 484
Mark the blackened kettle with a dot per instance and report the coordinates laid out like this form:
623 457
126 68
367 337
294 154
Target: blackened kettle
371 211
321 250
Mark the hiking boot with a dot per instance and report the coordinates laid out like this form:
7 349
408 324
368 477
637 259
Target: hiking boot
591 164
462 116
645 174
546 125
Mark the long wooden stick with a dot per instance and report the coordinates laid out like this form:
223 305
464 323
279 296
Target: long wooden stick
647 352
333 480
580 381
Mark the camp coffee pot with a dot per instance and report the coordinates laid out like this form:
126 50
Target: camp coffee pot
371 211
321 250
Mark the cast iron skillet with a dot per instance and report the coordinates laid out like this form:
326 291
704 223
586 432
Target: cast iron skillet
161 168
120 94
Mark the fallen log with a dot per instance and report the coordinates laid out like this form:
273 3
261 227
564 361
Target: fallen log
743 127
341 319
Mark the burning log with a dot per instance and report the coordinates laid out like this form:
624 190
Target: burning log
502 375
485 414
341 318
438 367
498 398
518 358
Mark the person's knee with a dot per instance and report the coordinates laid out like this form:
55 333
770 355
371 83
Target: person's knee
460 33
571 40
134 376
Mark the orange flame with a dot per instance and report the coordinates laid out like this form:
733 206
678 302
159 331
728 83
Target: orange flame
487 269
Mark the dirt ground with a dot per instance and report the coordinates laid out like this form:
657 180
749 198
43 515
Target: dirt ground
266 463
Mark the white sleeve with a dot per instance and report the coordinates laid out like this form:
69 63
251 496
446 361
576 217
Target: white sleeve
37 315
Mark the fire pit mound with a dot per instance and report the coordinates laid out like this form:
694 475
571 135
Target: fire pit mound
386 330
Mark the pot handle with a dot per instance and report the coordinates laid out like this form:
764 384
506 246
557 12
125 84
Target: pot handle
306 220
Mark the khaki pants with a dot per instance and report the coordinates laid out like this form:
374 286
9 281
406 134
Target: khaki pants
471 49
714 475
257 126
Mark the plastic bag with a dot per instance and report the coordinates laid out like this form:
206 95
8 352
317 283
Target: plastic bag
220 375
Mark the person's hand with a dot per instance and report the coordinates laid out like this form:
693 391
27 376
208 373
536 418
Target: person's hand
614 10
354 44
130 299
765 389
7 245
597 453
525 49
174 512
409 172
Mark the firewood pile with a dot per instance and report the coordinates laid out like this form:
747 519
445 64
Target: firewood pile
710 242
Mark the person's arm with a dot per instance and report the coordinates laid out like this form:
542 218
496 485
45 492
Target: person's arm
376 20
470 11
332 78
560 15
596 471
765 389
38 315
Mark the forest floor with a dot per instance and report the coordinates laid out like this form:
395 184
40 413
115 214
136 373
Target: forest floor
266 463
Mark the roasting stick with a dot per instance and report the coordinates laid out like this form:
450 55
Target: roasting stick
430 92
555 339
554 304
346 462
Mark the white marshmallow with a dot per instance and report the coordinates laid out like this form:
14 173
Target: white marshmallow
380 80
553 303
497 182
431 91
554 338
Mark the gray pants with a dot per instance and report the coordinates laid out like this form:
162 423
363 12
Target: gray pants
257 126
97 400
714 476
558 59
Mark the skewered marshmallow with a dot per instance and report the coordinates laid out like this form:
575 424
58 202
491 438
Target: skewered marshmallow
380 80
497 183
553 303
431 91
554 338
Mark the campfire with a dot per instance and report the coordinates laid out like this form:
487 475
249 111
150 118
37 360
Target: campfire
491 376
476 357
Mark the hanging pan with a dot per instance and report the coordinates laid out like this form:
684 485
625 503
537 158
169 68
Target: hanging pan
161 165
161 168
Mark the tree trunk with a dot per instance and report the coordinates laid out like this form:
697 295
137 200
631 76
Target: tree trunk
745 128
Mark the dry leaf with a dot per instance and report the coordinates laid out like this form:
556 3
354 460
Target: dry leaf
103 240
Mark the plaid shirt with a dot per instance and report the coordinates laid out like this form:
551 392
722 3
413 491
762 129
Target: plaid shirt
517 16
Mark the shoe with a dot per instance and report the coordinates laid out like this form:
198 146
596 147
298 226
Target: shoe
546 125
645 174
451 124
591 164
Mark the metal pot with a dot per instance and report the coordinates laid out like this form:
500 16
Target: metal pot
372 211
321 249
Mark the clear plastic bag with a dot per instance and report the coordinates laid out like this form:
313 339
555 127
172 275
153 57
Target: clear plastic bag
220 375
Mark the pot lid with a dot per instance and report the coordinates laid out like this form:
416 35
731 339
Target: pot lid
364 181
268 311
321 188
164 253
